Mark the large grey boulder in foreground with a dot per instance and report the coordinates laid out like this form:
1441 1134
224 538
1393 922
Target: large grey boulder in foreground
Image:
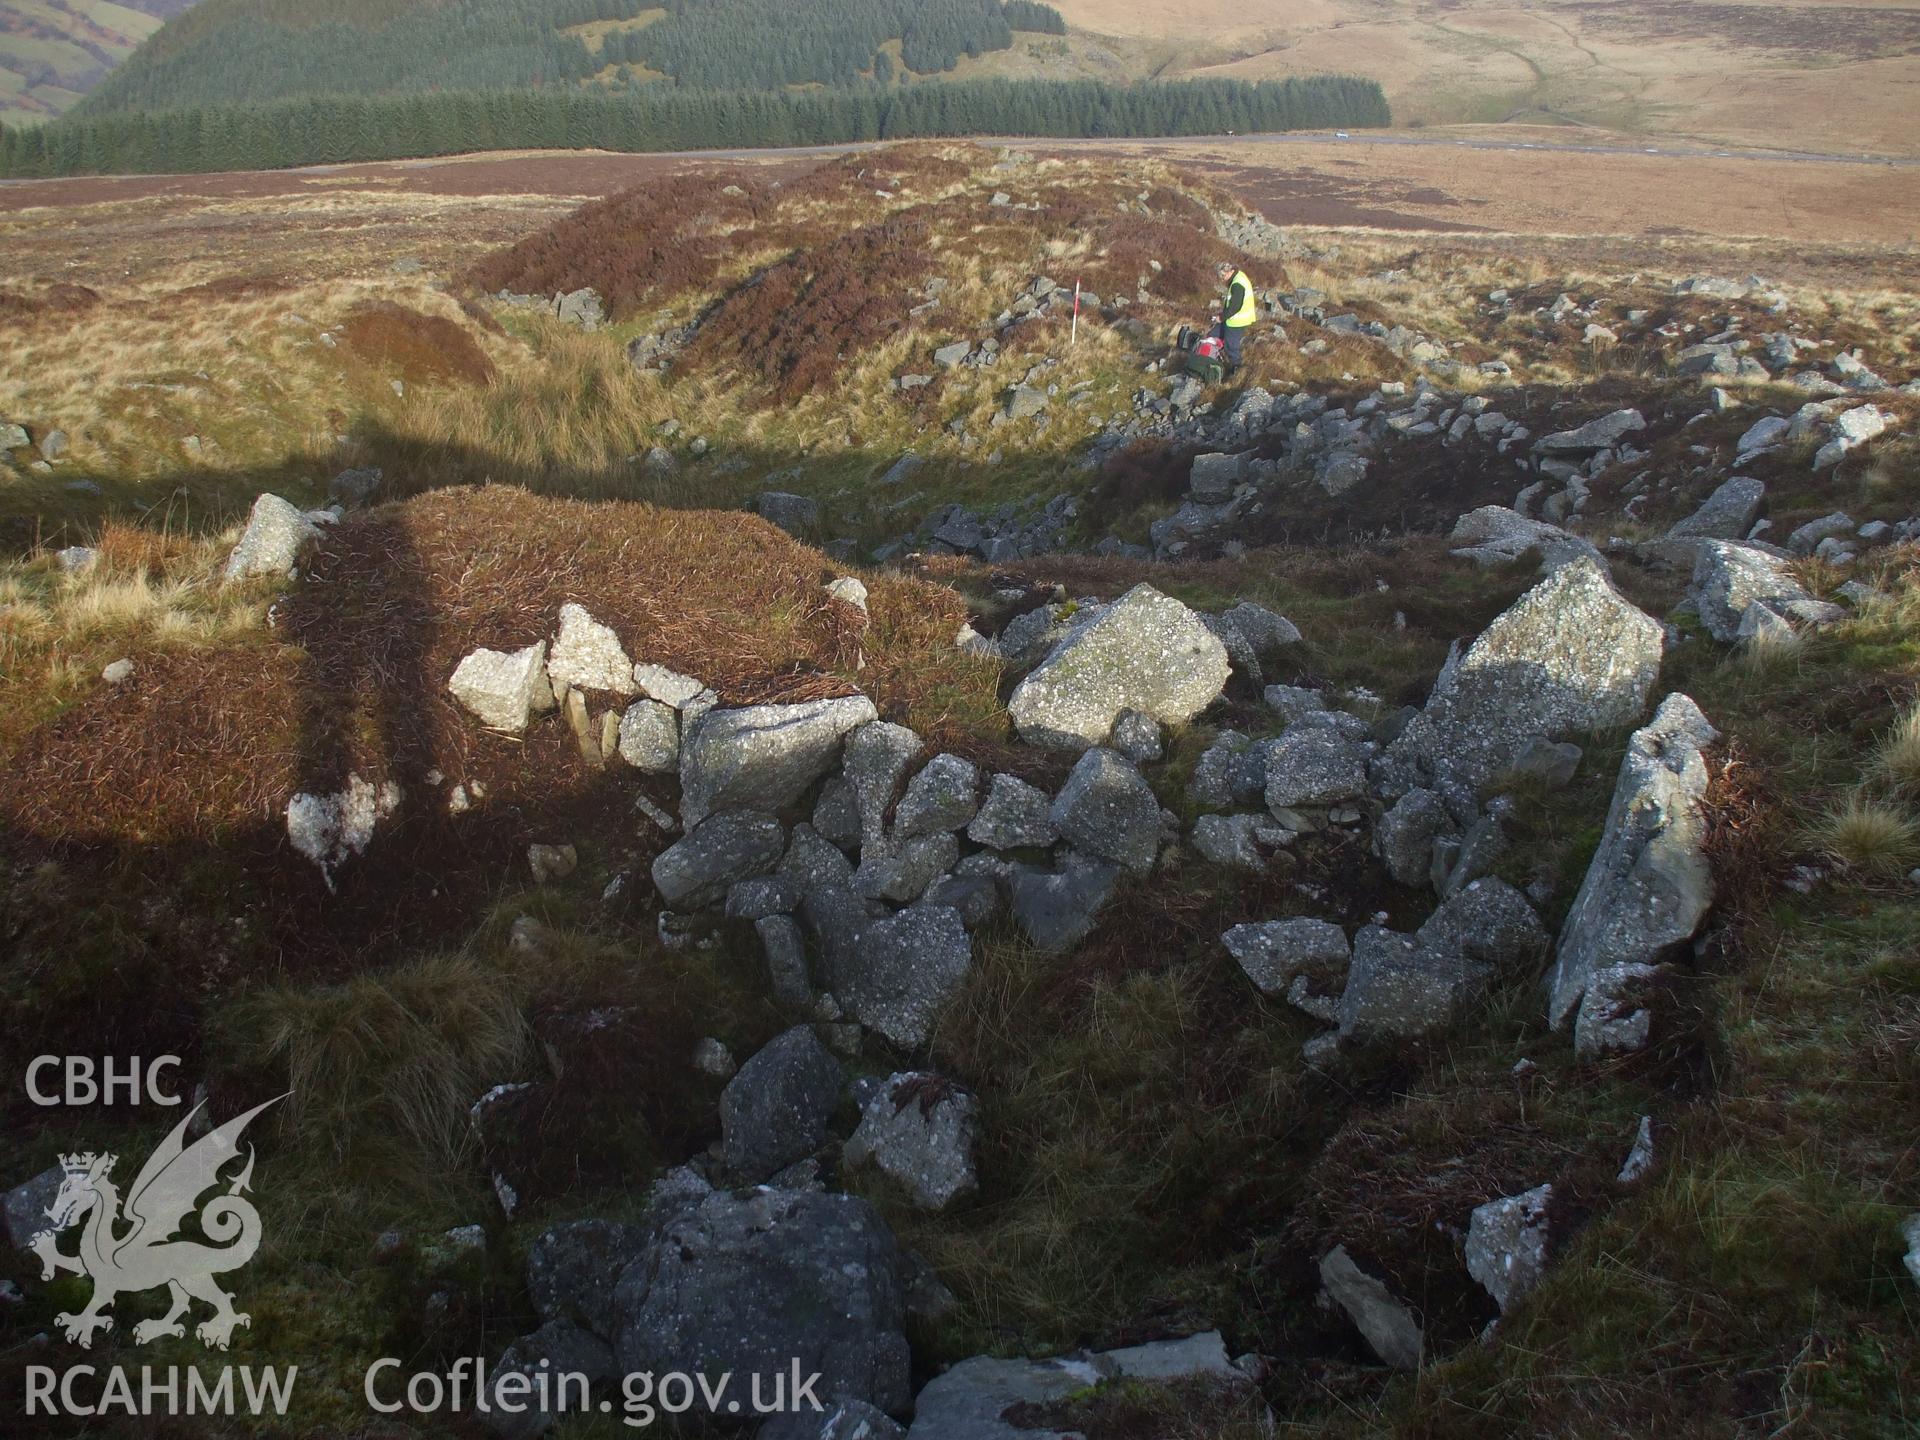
1649 885
762 756
775 1110
1144 652
1569 657
271 542
757 1281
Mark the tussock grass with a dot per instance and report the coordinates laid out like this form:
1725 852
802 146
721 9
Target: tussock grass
1874 837
1897 758
392 1059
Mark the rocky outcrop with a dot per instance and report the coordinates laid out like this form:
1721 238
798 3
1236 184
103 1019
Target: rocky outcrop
1144 652
1649 884
588 656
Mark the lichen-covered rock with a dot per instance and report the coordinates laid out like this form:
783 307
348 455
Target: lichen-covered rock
1107 809
669 687
1312 764
943 797
918 1129
1730 579
588 656
1600 434
1144 652
1507 1245
504 689
1274 952
1404 838
899 971
755 1282
762 756
1489 922
1139 737
1614 1017
775 1110
650 737
696 869
573 1267
899 870
812 860
276 530
1571 656
1494 535
1261 628
1649 884
1231 771
878 756
1399 989
1727 514
1230 840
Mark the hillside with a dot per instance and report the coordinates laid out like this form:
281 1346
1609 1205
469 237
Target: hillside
52 52
774 777
246 51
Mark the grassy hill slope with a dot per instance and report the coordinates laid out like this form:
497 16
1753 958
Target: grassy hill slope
53 51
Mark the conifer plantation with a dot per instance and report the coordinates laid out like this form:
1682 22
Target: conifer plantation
340 128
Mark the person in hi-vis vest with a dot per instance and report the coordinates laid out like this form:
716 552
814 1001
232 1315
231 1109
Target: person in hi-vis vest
1236 317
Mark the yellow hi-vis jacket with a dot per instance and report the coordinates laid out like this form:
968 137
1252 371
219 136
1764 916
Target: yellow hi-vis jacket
1248 310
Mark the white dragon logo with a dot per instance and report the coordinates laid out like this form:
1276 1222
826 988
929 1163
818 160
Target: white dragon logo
131 1247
